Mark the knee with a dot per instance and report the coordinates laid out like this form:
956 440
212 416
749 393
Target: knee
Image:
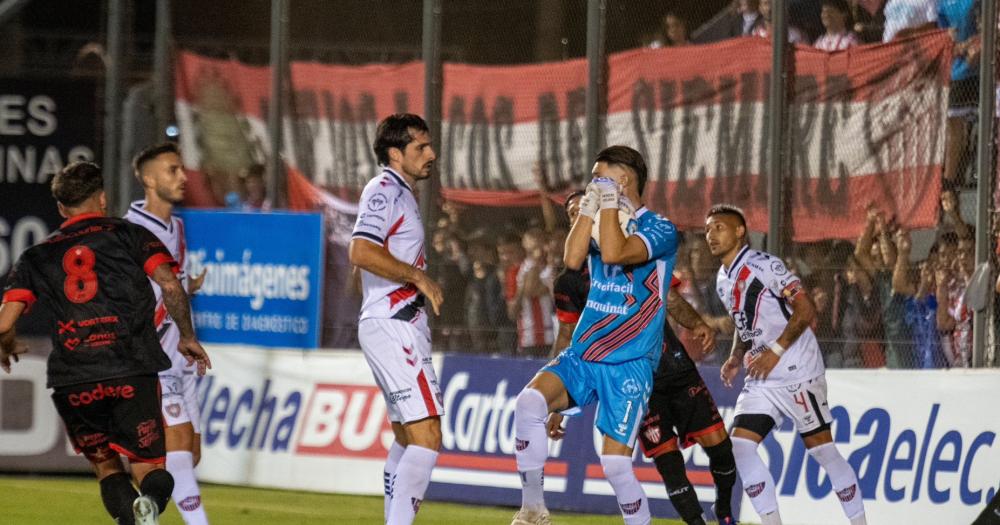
672 470
531 403
720 452
743 448
426 434
616 467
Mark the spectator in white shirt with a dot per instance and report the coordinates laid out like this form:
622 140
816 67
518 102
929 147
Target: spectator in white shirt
906 17
835 15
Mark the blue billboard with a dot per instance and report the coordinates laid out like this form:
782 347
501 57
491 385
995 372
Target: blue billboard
263 276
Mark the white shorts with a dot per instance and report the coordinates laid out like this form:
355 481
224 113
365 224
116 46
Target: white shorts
399 354
179 399
804 403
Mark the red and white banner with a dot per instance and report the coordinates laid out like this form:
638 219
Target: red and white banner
866 128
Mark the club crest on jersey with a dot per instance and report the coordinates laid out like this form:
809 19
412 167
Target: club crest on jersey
778 268
755 490
630 387
174 410
848 493
631 508
652 434
377 202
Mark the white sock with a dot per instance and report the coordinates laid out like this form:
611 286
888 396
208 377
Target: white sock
186 495
391 462
412 477
531 447
631 499
843 479
757 480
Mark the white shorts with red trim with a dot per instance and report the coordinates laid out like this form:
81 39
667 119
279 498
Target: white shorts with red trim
179 399
804 403
399 354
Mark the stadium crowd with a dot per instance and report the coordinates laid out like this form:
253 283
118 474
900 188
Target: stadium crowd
880 303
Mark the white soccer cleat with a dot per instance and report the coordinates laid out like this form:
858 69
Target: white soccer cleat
145 511
527 517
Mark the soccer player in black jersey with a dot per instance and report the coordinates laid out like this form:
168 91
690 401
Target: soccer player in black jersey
680 405
91 274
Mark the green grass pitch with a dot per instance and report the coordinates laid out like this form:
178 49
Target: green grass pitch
44 500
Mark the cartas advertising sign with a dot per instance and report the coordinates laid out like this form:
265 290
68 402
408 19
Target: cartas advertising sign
263 273
477 462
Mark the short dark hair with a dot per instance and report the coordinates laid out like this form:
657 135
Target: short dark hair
840 5
628 157
151 153
76 183
575 195
394 132
730 210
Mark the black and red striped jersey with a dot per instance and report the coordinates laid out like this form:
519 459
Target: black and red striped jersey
92 274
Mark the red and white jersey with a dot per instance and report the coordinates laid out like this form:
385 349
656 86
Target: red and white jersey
171 234
388 215
757 290
836 42
535 326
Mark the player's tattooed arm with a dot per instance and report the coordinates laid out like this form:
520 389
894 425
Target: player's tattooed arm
731 366
803 314
685 314
682 311
175 298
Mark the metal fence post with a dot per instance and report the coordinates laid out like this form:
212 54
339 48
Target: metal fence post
113 107
162 81
776 123
596 85
985 170
432 105
276 113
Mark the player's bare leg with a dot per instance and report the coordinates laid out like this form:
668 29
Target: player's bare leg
616 458
180 463
545 393
413 473
842 476
722 465
757 480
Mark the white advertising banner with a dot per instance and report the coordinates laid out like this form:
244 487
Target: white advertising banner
293 420
924 444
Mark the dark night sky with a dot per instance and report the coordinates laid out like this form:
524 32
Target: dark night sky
478 31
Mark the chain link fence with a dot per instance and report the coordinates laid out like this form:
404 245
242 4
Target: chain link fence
877 150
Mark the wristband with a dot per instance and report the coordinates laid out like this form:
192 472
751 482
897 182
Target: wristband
777 348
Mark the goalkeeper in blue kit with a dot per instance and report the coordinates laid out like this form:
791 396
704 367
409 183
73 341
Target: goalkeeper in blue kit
617 342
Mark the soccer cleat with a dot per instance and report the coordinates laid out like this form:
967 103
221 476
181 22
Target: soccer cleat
145 512
526 517
724 520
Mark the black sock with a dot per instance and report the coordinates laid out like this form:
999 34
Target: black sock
117 493
723 468
158 485
679 489
991 514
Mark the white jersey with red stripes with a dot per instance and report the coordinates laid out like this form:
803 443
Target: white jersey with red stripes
388 215
172 235
757 289
535 324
